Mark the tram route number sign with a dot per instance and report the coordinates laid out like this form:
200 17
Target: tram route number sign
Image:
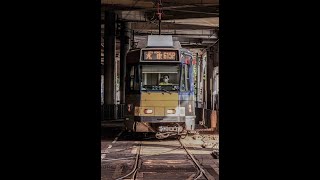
160 55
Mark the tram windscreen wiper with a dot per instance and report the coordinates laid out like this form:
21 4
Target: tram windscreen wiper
148 91
166 91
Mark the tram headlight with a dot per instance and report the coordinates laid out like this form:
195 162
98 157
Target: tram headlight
148 111
171 111
190 109
129 106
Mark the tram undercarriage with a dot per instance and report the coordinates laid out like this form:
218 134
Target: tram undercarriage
161 130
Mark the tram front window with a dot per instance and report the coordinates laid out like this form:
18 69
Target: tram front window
160 77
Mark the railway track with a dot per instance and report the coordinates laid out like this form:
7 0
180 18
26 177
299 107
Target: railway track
201 170
174 162
143 159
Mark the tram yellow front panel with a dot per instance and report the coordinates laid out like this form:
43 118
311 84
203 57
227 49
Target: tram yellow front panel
159 111
159 99
159 96
158 102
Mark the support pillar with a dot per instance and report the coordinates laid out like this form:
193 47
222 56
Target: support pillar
110 109
209 77
124 47
109 58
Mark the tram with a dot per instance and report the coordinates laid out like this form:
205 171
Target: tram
159 88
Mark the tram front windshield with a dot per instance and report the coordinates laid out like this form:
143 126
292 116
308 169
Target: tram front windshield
160 77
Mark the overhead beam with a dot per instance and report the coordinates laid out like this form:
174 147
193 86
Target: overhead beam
128 3
199 32
195 36
199 11
132 15
166 25
191 2
212 21
192 46
183 35
169 15
164 2
119 7
197 40
187 8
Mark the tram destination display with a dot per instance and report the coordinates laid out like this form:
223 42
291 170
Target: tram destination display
159 55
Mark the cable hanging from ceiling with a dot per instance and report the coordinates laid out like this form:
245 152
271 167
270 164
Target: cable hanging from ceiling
159 14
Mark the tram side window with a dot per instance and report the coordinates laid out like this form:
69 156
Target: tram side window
185 85
134 78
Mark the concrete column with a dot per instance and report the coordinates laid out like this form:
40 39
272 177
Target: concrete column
124 47
109 58
198 78
209 77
